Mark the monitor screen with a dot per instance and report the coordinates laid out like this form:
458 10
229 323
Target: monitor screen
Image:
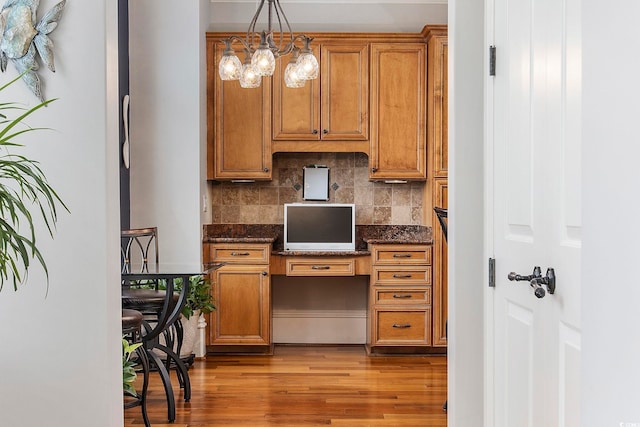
319 227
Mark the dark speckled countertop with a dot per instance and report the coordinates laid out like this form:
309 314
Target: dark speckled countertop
272 233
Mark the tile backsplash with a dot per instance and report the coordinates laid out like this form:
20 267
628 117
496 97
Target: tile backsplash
262 202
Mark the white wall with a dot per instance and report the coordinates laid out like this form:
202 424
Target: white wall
60 360
335 15
611 295
168 123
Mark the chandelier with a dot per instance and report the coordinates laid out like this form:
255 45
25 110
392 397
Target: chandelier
260 58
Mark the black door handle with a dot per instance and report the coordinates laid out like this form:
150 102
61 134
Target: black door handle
537 281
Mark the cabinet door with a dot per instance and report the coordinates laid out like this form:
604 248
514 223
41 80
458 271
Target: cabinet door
333 107
242 299
398 111
438 56
242 127
296 111
345 91
440 272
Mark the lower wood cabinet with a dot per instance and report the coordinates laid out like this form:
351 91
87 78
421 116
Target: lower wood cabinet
400 310
401 294
241 290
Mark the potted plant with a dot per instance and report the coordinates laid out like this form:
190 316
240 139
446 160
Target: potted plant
129 367
24 193
199 302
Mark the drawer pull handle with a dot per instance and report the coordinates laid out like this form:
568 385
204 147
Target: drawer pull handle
320 267
240 254
402 325
402 276
399 296
402 255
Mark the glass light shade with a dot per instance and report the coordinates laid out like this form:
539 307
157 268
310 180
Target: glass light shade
249 78
292 75
230 67
309 67
264 61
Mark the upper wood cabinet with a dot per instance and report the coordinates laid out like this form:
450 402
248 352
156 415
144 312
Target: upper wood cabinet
398 111
370 97
239 127
333 107
437 77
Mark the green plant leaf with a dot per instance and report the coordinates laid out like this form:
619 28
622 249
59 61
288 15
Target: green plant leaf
24 189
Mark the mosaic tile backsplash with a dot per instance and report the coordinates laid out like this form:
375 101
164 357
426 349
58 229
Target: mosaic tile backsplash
262 202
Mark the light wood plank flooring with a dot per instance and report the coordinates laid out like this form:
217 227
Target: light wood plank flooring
307 386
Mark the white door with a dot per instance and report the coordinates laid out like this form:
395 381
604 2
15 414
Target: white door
534 138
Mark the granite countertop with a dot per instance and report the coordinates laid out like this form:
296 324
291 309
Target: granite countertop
272 233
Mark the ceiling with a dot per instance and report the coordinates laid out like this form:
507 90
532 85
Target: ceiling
335 15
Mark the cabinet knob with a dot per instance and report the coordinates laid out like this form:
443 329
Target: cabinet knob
265 170
374 170
325 131
315 131
264 273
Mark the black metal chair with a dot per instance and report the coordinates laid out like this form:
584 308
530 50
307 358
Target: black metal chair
443 219
441 213
132 331
139 251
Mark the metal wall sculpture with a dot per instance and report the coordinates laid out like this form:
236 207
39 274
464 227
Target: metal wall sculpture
22 40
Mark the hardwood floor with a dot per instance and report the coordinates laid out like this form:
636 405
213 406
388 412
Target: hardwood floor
307 386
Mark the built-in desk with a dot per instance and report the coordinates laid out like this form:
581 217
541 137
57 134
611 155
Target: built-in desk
397 263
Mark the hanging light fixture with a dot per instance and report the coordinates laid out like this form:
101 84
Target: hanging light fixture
263 51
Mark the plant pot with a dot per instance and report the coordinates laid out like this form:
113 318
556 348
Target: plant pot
189 336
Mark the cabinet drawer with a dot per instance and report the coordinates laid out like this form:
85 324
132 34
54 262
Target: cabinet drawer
402 327
419 275
401 254
401 296
320 266
240 253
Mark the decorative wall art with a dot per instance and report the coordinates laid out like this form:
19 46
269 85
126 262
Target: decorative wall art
22 39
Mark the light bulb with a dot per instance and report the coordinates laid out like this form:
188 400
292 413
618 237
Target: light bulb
308 64
263 59
230 66
249 77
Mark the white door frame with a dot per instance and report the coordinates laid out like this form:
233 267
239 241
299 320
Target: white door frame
467 276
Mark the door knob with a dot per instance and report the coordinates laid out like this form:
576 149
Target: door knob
537 281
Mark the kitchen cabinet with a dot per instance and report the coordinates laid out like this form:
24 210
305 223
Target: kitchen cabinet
437 155
398 111
241 290
370 97
400 308
333 107
239 128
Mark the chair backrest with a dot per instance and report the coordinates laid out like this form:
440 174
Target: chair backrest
138 248
441 213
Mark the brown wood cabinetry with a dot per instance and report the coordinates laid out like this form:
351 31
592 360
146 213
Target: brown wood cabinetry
241 290
398 116
329 266
333 107
370 97
399 297
239 143
437 154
